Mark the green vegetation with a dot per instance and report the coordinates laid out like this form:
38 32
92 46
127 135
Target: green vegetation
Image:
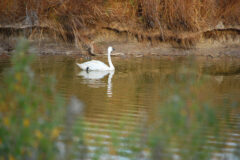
30 111
33 115
183 122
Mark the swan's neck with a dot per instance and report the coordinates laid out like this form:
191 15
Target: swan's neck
110 61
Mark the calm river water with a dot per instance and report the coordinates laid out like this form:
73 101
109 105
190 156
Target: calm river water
143 95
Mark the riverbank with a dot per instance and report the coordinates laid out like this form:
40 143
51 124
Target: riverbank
124 47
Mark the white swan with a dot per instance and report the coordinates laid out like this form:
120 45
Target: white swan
95 65
94 75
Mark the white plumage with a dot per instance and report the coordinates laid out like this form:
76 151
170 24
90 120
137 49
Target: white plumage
95 65
94 75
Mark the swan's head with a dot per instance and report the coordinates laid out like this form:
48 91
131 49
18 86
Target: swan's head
110 49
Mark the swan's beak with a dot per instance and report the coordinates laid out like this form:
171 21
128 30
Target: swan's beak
113 49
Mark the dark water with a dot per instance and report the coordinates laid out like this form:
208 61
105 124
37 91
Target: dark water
139 87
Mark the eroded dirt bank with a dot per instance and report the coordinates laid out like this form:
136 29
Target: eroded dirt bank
125 45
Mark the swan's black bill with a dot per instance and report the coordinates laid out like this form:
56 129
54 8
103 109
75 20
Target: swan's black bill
113 49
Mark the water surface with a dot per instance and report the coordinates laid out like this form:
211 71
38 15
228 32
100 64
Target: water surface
130 98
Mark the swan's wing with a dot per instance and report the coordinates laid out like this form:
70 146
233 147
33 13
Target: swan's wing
93 74
93 65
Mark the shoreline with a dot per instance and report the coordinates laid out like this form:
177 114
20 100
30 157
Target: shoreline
94 42
124 48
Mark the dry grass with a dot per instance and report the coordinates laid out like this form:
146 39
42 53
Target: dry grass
164 20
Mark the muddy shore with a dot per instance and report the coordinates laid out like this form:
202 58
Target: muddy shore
48 46
44 41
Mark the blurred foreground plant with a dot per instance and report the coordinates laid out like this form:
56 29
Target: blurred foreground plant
185 125
30 111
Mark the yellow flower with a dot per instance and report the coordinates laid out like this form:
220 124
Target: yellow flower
55 133
112 150
38 134
35 144
6 121
18 76
19 89
11 157
2 106
26 122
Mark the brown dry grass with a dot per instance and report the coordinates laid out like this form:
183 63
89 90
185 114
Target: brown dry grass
165 20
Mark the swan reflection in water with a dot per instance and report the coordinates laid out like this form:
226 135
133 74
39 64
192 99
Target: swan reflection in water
93 79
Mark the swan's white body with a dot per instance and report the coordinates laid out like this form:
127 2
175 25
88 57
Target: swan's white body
95 65
94 75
